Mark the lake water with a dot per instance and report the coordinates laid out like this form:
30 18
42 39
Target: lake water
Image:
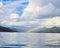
31 40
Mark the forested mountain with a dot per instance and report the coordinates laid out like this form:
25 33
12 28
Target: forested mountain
5 29
50 30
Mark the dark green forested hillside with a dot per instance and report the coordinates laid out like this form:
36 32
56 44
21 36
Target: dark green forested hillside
50 30
5 29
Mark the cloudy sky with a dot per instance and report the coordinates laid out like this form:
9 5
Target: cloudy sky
30 13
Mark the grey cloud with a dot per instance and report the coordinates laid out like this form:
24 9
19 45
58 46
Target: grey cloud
47 16
56 3
51 8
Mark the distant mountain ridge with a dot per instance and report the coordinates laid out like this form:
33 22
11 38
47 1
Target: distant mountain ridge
5 29
43 30
50 30
20 28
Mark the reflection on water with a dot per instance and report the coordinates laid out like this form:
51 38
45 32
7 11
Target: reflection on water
32 40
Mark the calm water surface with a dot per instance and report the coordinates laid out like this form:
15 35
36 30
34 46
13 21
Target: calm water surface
31 40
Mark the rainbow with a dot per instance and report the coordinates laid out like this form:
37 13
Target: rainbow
31 30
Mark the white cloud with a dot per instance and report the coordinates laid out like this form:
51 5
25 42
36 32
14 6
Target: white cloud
12 23
30 11
17 23
14 16
8 11
30 14
55 21
1 4
36 11
27 23
10 8
10 19
51 22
